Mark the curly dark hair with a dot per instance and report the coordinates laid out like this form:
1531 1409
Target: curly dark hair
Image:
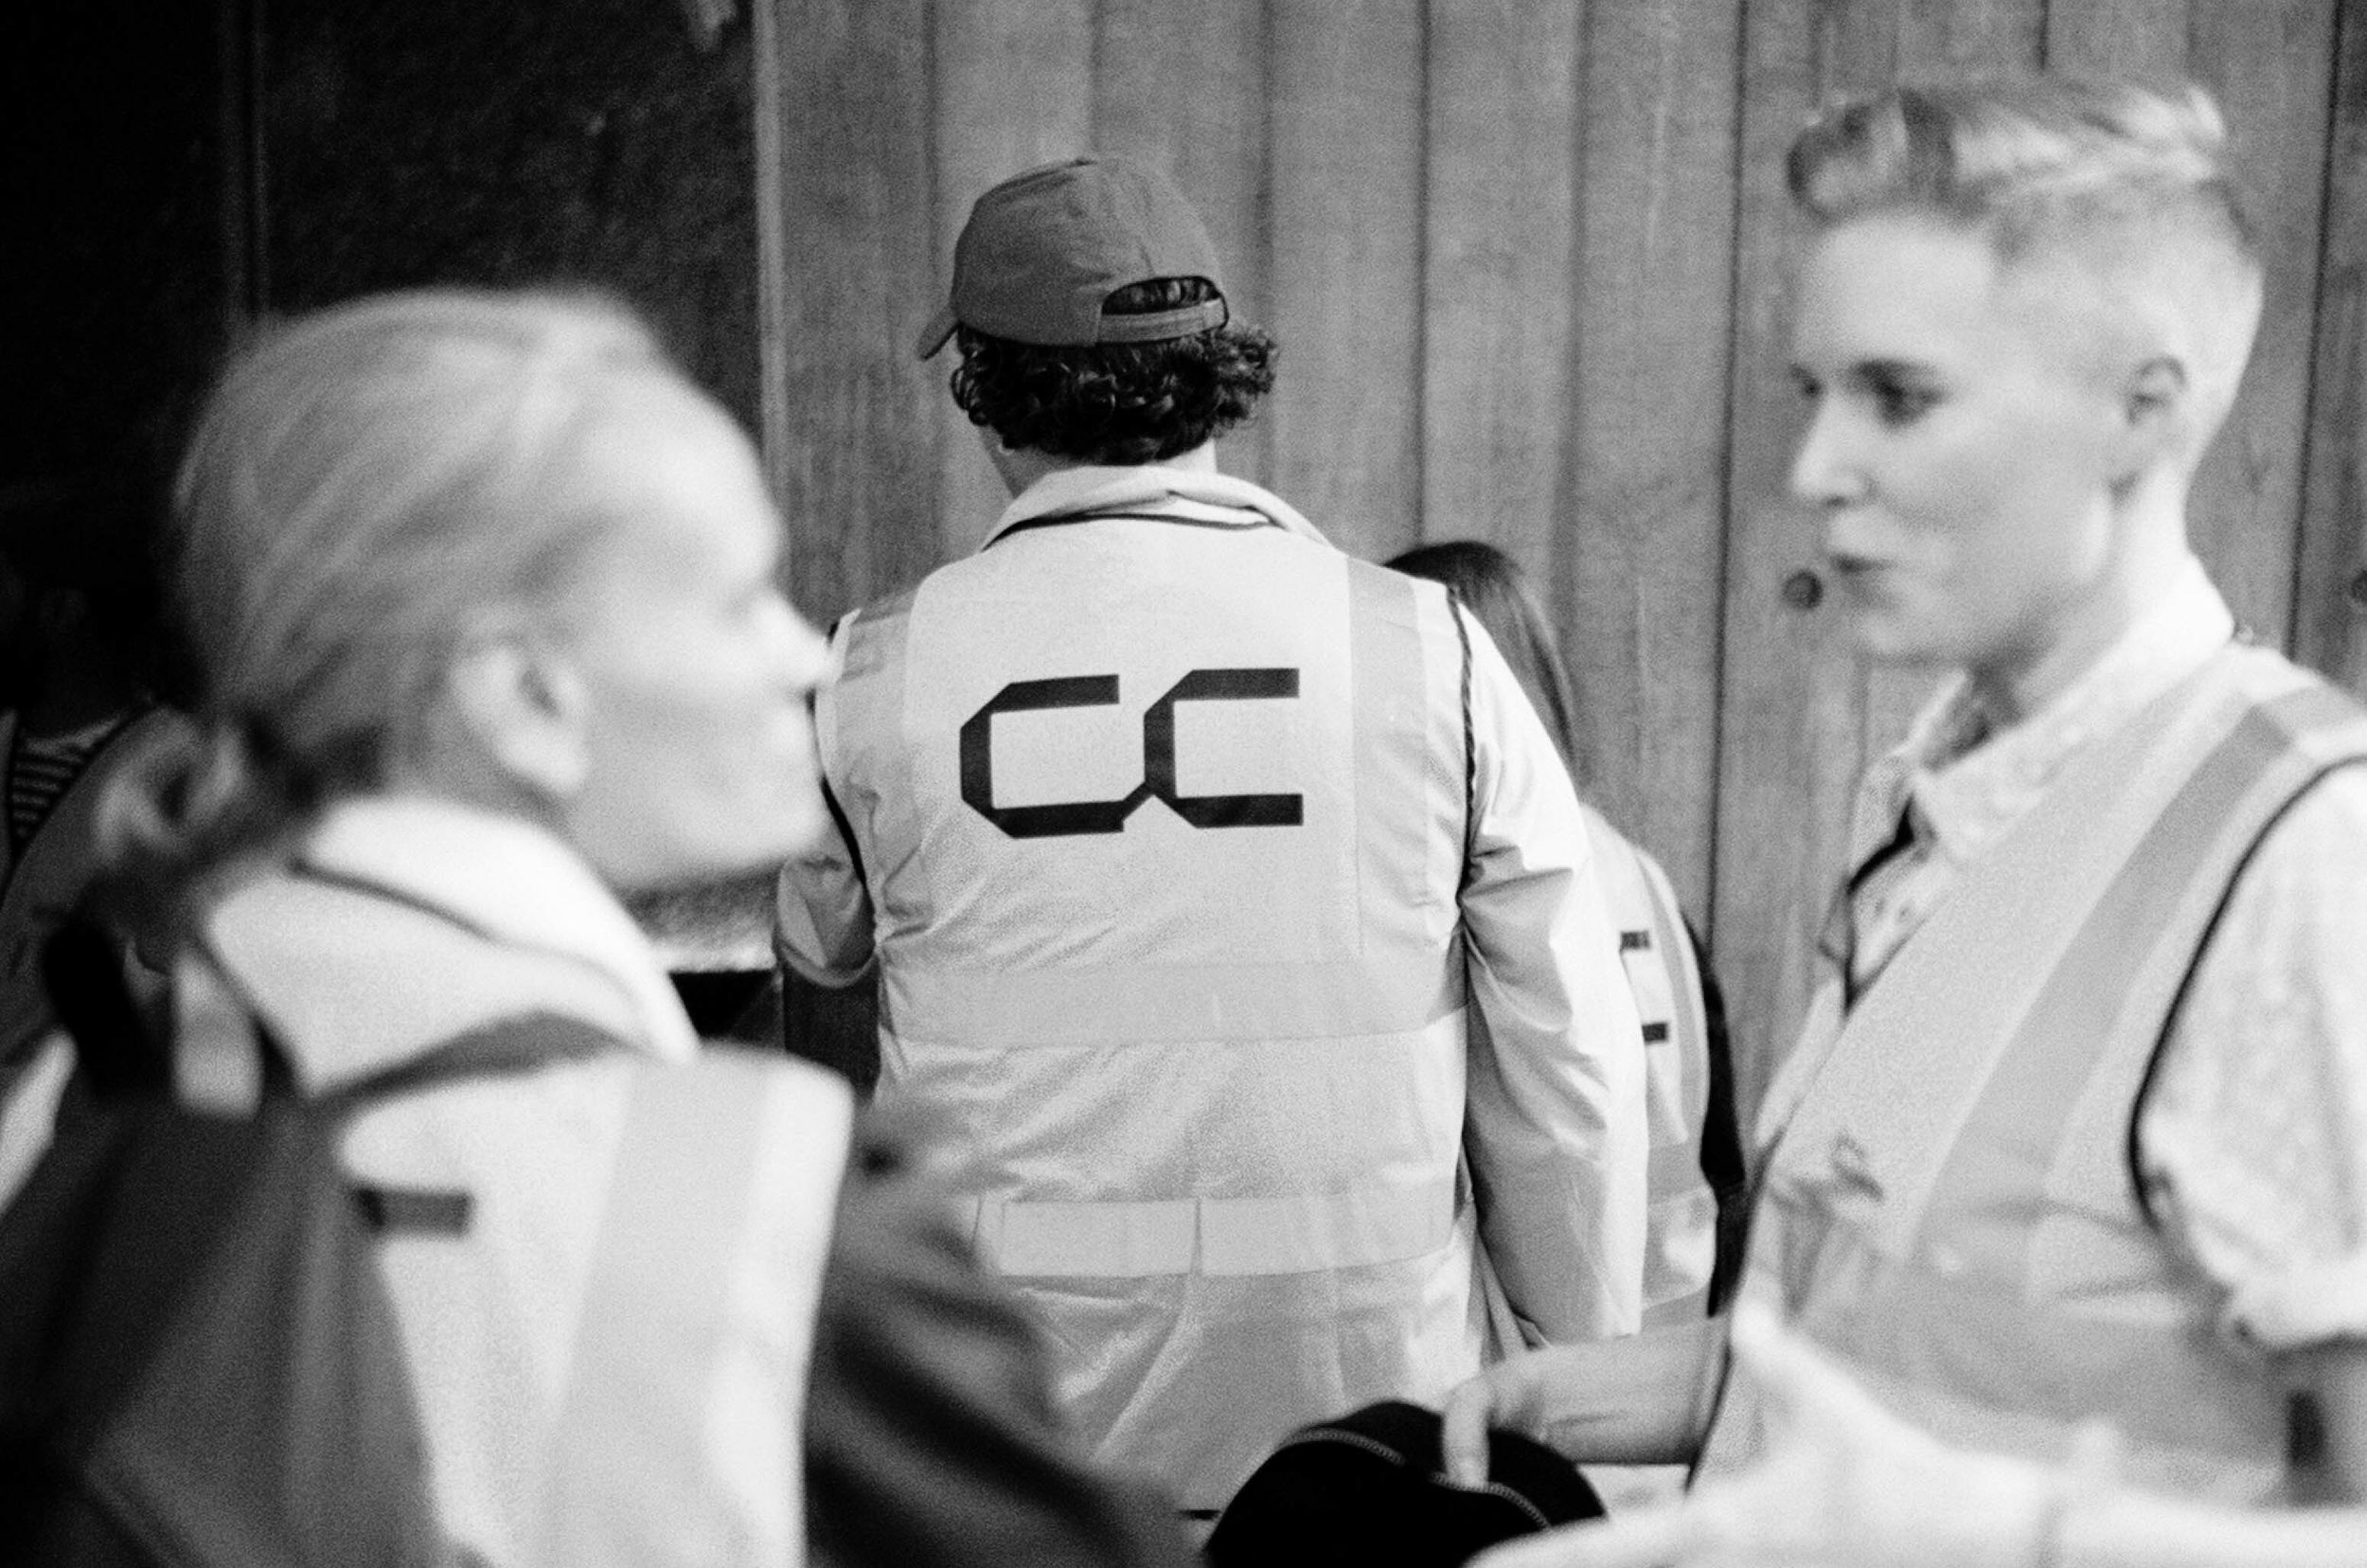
1117 402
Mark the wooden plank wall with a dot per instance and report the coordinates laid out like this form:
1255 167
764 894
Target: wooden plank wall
1526 261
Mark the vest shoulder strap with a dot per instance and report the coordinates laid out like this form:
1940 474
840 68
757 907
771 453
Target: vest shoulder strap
738 1156
2078 928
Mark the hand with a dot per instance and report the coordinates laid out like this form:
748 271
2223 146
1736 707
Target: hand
1511 1394
1843 1484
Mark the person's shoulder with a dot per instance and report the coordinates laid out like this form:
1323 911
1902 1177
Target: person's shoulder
352 977
2324 829
2298 905
2326 726
1404 585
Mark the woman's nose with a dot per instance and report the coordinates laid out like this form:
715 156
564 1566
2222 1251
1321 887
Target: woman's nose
802 655
1824 472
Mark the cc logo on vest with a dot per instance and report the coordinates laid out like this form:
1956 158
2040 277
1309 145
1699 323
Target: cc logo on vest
1074 817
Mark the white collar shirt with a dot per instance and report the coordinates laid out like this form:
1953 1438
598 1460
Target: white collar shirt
1152 489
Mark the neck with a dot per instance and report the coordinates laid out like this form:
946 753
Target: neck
1022 466
2148 553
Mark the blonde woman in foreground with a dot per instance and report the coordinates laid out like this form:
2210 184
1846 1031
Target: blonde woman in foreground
485 605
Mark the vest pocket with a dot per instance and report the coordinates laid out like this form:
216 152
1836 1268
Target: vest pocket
1655 999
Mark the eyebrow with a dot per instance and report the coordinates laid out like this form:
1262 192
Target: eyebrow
1896 370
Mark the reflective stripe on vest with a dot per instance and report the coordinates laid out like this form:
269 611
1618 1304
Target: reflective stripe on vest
1374 1220
1949 1209
732 1156
1298 1234
1681 1245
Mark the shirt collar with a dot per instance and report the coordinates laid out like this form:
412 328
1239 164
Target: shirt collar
511 879
1968 779
1148 490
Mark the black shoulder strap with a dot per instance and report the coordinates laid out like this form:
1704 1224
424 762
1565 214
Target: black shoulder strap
509 1048
120 1055
1058 520
2132 1150
1471 754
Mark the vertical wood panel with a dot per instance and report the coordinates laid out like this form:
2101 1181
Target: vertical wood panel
2145 38
1949 38
1639 541
1183 88
2271 66
1346 279
2330 609
2268 62
767 87
857 470
1800 713
1013 81
1498 238
1791 695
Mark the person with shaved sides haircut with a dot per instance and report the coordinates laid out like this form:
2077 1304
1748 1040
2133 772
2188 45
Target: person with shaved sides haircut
2069 1165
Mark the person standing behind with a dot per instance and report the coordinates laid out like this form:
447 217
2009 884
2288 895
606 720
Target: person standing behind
1184 844
75 712
2076 1132
1693 1247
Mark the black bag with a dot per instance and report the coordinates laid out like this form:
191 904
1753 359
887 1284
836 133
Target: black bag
199 1361
1368 1489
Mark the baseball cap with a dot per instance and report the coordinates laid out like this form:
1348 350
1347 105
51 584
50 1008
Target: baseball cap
1043 251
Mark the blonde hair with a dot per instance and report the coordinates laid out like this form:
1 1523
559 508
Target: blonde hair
361 484
2132 181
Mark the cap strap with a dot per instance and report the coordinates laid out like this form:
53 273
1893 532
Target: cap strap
1152 326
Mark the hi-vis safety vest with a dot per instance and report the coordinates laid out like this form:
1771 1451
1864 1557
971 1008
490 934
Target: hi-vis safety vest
1952 1210
1664 977
1161 820
605 1271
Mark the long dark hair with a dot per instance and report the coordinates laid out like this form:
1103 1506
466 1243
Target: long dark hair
1492 586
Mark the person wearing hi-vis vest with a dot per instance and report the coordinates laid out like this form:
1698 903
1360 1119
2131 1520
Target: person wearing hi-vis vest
483 599
1691 1244
2069 1169
1184 843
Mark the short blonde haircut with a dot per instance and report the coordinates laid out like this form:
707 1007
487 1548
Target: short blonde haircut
361 484
2130 183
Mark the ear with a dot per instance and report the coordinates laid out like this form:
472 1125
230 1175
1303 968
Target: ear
526 707
2152 409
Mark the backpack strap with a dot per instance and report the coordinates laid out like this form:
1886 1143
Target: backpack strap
508 1049
513 1047
1455 612
121 1055
118 1052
